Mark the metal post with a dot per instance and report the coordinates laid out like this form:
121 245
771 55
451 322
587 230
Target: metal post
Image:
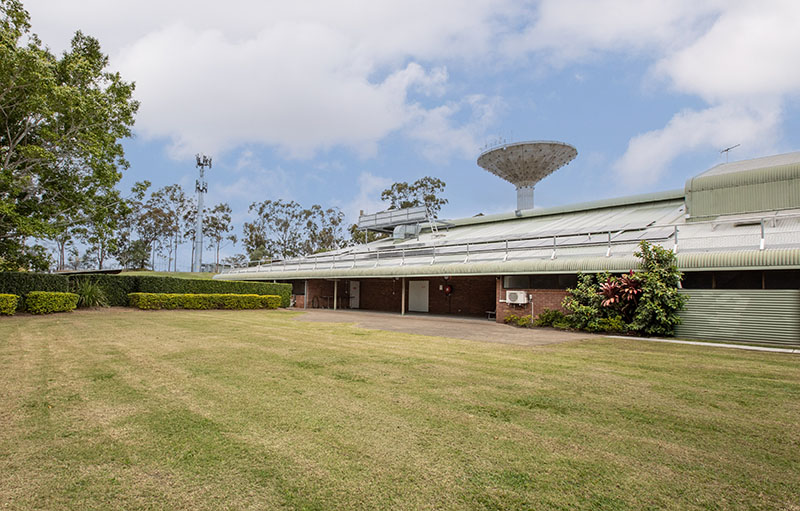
505 258
335 292
403 297
675 247
553 255
762 243
608 252
305 296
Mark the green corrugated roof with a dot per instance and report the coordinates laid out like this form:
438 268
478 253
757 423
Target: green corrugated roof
750 260
669 195
749 190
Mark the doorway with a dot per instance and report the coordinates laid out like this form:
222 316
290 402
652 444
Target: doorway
355 292
418 296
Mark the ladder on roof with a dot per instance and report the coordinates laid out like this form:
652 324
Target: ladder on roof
431 221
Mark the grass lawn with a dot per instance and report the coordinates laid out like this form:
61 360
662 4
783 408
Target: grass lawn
215 410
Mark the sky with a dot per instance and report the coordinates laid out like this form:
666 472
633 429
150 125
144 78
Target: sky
331 102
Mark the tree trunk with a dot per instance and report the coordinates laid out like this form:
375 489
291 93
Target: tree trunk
216 263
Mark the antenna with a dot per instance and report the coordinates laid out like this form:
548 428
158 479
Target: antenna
201 187
727 150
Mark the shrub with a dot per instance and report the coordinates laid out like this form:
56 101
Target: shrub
8 304
90 294
151 284
115 287
118 287
613 324
548 317
584 302
152 301
660 303
22 283
521 321
46 302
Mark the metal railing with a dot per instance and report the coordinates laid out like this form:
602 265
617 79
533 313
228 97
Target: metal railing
505 247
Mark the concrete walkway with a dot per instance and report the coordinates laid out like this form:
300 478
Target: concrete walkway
472 329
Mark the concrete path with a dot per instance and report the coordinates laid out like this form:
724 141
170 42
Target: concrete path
471 329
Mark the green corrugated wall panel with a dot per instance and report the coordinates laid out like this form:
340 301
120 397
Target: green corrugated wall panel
770 316
752 191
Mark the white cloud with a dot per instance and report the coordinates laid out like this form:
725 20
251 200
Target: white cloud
649 154
367 198
738 56
752 50
574 29
440 135
302 77
308 76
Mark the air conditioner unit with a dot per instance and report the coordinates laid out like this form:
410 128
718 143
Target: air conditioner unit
518 297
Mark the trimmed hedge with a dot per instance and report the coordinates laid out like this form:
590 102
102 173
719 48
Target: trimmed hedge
116 287
22 283
152 284
150 301
46 302
8 304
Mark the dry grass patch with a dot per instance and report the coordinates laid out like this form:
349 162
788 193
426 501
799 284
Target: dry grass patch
253 410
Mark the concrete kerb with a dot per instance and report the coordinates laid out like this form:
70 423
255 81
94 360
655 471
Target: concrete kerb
712 344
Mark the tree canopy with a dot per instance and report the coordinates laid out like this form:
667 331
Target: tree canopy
425 191
286 229
61 122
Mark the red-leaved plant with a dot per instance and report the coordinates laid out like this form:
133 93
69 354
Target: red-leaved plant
621 293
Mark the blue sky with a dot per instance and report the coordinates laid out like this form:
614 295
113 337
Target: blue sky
331 102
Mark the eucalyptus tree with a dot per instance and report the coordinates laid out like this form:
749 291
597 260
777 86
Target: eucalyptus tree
172 205
425 191
217 228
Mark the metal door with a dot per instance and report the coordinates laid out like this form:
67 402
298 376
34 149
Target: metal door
418 295
355 291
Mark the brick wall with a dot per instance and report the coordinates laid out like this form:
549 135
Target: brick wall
471 296
381 295
542 299
299 301
317 290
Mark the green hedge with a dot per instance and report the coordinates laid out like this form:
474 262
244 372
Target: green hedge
8 304
22 283
152 284
116 287
46 302
152 301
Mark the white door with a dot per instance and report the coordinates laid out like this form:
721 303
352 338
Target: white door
355 290
418 295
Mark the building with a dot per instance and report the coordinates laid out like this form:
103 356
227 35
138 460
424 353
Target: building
735 230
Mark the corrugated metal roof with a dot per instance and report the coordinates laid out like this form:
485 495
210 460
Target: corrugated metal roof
593 236
645 198
752 164
745 187
739 260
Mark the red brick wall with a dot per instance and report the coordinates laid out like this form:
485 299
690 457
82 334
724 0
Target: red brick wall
471 296
317 288
299 301
380 295
542 299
